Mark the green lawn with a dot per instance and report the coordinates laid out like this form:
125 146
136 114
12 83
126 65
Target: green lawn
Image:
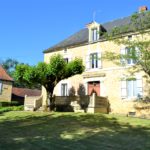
58 131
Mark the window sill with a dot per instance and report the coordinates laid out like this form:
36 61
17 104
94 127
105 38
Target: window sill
131 64
130 99
92 70
92 42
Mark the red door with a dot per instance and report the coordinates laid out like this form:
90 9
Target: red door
94 87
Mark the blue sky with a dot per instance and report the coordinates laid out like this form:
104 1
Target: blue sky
27 27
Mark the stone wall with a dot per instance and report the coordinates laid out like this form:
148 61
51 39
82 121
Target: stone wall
142 109
6 91
109 75
32 103
89 104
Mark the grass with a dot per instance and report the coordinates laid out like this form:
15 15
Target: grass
71 131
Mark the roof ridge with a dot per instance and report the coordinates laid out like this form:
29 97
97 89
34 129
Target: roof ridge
81 37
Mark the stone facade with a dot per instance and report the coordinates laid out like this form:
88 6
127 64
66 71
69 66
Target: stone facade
107 73
5 85
6 91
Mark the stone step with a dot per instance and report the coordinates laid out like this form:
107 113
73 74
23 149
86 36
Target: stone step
40 109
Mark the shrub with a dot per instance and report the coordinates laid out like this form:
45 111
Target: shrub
6 104
11 108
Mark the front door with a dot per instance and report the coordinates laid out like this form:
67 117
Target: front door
94 87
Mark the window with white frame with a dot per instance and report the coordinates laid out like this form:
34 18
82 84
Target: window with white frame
65 50
93 61
1 85
129 37
129 56
94 34
64 89
131 88
130 53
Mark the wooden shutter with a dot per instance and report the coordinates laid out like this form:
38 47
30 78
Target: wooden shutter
123 52
99 60
139 87
123 89
87 62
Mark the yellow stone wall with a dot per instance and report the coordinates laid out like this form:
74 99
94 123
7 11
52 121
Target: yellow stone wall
6 91
109 75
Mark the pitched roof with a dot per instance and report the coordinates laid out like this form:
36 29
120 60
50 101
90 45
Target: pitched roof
81 37
78 38
4 75
25 91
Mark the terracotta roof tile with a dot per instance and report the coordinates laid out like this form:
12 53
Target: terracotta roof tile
4 75
24 91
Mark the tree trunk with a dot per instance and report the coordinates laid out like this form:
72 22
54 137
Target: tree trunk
50 99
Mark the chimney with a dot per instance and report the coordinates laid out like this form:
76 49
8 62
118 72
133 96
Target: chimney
143 9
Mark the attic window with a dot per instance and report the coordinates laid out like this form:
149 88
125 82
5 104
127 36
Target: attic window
130 37
65 50
94 34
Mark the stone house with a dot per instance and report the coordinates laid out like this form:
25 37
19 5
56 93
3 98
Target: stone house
100 76
5 85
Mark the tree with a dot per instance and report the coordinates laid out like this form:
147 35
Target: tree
48 75
137 49
9 65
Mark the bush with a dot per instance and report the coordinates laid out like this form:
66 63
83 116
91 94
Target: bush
6 104
11 108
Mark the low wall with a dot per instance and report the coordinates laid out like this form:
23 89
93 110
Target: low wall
32 103
142 109
91 104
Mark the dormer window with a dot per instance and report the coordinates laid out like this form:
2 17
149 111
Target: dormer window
94 31
130 37
65 50
94 34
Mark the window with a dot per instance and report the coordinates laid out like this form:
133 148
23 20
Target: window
64 89
130 53
130 89
94 34
94 60
130 37
128 56
66 60
1 85
65 50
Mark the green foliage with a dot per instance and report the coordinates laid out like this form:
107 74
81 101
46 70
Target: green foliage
74 67
57 66
139 46
10 66
53 72
12 103
49 74
11 108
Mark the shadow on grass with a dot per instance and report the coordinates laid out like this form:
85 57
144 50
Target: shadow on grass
72 131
